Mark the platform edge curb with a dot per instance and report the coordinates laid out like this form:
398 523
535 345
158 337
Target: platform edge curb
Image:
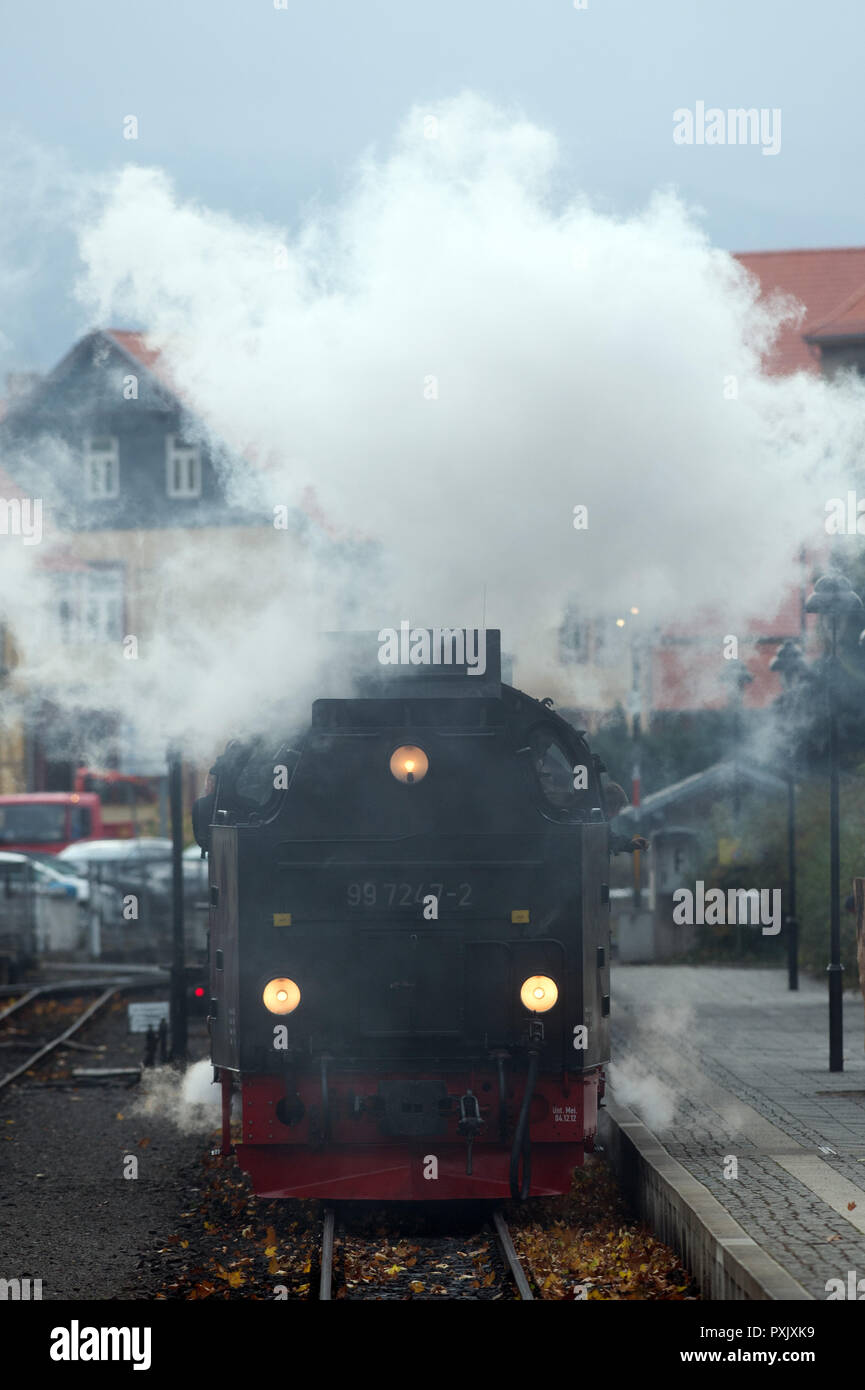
724 1260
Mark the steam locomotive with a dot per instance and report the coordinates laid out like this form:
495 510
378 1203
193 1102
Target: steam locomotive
410 934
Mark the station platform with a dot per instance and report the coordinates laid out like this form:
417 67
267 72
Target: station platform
739 1144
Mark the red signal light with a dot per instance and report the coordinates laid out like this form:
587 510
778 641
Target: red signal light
199 992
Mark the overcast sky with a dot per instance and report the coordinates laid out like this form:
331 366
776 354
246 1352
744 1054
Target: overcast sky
257 111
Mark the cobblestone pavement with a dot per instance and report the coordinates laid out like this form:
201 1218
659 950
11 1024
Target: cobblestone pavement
731 1072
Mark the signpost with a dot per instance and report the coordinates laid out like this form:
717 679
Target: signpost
144 1016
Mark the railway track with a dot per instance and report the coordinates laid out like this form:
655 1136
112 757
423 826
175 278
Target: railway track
479 1263
19 1046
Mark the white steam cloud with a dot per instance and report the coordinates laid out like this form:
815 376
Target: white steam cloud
453 359
190 1100
656 1072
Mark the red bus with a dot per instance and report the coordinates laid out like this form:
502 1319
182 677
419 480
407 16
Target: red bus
129 805
103 806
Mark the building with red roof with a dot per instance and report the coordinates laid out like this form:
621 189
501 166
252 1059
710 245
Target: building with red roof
135 495
823 282
826 335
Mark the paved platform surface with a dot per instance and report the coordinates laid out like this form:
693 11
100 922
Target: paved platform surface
730 1071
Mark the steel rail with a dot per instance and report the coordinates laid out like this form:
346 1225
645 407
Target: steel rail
506 1245
58 1041
52 987
326 1279
24 1000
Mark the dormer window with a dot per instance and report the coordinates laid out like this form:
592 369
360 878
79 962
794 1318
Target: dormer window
101 467
182 468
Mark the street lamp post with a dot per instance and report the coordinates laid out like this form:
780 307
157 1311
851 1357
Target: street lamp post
635 706
791 667
637 730
834 598
738 678
177 1006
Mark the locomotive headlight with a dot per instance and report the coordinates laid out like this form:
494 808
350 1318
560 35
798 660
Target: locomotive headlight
409 764
539 993
281 996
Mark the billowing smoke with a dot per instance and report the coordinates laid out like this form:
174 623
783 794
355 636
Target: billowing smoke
636 1086
189 1099
449 362
656 1073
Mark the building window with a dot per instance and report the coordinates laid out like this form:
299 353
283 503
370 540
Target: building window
574 636
101 466
182 468
91 605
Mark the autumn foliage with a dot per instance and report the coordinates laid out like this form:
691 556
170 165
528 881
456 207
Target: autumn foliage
235 1245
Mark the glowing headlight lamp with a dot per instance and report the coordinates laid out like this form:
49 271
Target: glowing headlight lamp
539 993
409 763
281 996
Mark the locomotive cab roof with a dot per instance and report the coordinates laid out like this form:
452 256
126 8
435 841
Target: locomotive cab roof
451 676
459 663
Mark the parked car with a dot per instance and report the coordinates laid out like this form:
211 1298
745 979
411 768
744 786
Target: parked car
43 908
128 853
117 868
46 878
143 868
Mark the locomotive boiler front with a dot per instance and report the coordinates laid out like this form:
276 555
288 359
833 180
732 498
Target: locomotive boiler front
410 945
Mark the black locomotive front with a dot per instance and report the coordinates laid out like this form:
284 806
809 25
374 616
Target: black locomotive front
410 943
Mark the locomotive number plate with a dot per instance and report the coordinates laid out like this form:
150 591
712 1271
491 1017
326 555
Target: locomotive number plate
369 893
